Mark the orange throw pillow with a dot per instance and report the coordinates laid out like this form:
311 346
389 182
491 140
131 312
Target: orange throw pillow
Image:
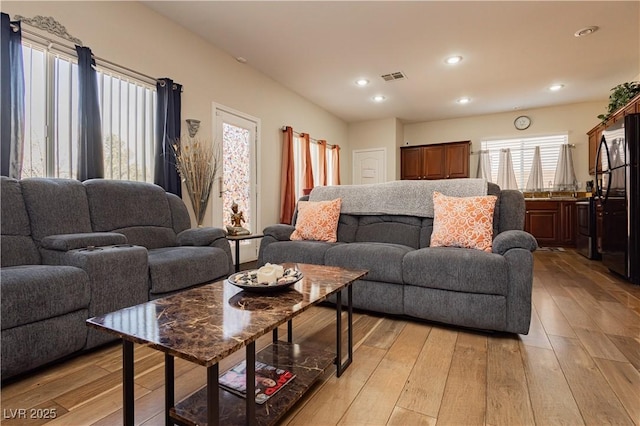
463 222
318 220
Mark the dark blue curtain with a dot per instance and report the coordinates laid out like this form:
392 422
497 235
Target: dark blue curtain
11 98
167 133
90 154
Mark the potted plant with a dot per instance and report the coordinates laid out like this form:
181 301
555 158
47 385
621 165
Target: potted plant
620 96
197 162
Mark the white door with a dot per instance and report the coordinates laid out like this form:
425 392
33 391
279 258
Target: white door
237 134
369 166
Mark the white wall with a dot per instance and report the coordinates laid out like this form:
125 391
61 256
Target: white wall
132 35
385 133
576 119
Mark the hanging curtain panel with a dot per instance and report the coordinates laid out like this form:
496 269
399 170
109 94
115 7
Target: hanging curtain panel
11 98
484 166
287 181
506 175
307 167
167 133
90 152
536 180
335 165
565 177
322 162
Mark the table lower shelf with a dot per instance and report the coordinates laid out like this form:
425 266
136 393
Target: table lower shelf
308 363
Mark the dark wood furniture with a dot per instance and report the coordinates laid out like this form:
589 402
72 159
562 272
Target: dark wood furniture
438 161
203 325
237 239
551 222
595 134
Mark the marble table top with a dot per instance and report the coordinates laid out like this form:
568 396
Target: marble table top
208 323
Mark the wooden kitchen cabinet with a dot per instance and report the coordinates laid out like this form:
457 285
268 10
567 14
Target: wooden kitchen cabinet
595 134
437 161
551 222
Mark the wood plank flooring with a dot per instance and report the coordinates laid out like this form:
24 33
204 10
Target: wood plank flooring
579 365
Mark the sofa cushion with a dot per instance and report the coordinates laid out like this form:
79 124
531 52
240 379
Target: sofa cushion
125 204
463 221
317 221
176 268
297 251
150 237
36 292
49 203
457 269
403 230
383 261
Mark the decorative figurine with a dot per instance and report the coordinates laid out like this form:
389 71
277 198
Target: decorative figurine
237 218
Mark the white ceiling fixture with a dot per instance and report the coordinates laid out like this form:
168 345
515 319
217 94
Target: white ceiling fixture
556 87
362 82
241 59
464 100
586 31
451 60
378 98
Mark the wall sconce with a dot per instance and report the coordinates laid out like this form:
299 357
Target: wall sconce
194 125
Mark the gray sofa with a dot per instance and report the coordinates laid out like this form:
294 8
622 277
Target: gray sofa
458 286
72 250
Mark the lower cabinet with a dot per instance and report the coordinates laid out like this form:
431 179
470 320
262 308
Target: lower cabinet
551 222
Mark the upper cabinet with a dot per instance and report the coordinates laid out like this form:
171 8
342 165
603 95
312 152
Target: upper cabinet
438 161
595 134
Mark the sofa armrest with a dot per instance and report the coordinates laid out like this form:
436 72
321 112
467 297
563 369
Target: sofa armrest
508 240
66 242
200 236
279 232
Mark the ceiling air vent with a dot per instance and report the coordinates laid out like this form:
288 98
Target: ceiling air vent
399 75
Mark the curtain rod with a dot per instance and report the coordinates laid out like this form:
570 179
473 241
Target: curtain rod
99 61
310 138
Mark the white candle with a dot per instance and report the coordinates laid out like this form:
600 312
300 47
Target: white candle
267 274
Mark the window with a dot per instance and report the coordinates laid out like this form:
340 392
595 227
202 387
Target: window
315 164
522 150
127 110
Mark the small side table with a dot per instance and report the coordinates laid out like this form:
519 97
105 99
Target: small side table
237 239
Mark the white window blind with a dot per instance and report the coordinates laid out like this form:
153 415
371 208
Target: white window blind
522 150
127 109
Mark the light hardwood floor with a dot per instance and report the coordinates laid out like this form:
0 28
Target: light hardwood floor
579 364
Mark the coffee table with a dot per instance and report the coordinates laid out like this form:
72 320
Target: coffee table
206 324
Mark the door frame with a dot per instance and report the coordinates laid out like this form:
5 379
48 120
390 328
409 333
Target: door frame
216 108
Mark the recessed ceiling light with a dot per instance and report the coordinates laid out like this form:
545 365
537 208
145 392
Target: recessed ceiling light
556 87
464 100
586 31
379 98
362 82
241 59
453 60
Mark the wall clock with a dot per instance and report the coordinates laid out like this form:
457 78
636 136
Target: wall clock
522 122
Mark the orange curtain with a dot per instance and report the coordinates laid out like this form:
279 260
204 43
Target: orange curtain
322 162
287 182
307 170
335 165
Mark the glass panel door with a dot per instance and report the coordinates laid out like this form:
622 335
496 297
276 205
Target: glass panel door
237 135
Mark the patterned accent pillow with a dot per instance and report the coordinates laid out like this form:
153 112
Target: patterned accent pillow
463 222
318 220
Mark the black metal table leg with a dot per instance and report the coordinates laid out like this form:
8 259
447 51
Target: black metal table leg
275 335
127 382
290 331
237 256
213 396
169 380
342 366
251 384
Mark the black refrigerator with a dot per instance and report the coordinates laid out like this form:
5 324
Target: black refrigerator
618 190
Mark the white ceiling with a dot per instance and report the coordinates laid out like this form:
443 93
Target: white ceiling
512 51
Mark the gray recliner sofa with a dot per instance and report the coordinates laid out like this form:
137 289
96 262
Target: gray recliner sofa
72 250
458 286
